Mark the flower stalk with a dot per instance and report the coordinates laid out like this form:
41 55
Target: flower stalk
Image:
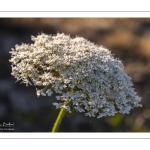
59 120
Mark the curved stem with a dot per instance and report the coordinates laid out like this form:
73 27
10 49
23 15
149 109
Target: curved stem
59 120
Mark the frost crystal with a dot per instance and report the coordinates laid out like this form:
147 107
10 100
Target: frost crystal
86 77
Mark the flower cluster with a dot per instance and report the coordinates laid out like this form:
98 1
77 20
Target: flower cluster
86 77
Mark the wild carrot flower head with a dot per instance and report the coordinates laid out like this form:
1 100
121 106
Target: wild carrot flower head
86 77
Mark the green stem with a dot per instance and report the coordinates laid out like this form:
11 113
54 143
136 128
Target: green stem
59 120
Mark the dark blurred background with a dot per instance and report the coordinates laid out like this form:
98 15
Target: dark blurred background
128 39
